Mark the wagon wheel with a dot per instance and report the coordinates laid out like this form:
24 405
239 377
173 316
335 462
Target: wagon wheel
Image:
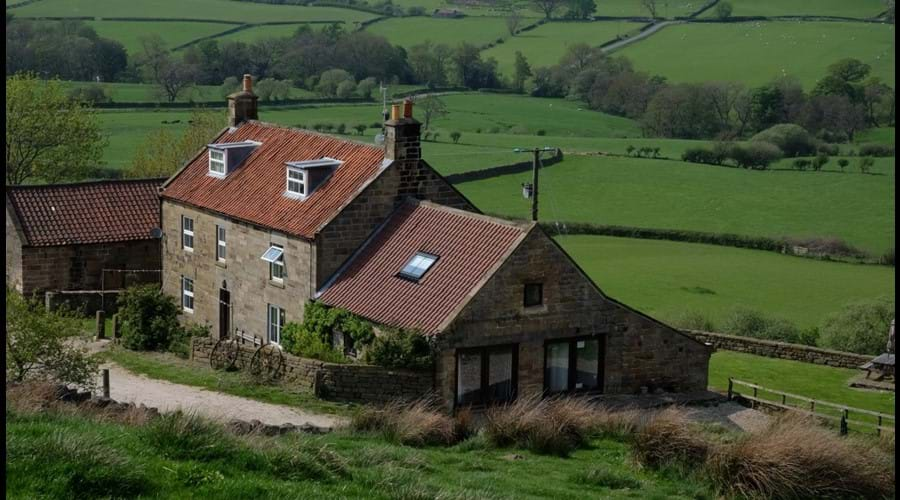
224 354
267 362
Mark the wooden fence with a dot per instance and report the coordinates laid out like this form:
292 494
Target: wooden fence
843 415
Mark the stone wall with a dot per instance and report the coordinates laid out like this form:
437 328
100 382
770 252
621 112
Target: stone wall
640 353
244 274
80 267
782 350
350 382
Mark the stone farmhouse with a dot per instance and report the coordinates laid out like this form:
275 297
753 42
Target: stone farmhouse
267 218
83 236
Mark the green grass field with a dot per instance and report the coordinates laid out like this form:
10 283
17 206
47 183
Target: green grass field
804 379
841 8
544 45
667 278
224 10
129 33
678 195
882 134
755 53
257 32
409 31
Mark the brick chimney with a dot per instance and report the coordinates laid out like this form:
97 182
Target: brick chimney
401 134
242 104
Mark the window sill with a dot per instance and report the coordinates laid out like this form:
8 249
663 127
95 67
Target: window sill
277 284
221 264
187 311
534 309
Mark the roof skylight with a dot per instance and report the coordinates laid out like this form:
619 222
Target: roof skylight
418 265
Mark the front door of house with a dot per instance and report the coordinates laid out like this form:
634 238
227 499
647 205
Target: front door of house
486 375
224 313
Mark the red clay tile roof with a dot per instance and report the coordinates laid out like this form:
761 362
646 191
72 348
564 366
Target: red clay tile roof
469 248
255 191
88 212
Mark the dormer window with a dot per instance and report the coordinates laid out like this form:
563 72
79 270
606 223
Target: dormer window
296 182
226 157
217 162
417 266
303 177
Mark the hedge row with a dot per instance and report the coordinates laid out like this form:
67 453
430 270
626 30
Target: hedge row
780 245
221 103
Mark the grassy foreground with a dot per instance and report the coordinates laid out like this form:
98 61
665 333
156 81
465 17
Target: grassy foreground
57 455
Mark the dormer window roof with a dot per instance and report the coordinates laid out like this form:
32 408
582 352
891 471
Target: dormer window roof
225 157
304 176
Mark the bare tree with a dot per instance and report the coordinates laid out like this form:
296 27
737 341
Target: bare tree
513 21
433 108
651 6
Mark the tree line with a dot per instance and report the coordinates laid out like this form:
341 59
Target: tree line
845 100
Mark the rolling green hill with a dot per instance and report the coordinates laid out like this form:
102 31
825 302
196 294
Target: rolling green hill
754 53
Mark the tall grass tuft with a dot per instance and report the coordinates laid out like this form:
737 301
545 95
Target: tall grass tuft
667 438
181 435
796 458
419 423
63 466
555 426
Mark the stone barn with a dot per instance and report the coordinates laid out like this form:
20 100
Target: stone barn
85 236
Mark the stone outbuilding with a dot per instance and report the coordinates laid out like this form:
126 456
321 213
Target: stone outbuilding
82 237
267 218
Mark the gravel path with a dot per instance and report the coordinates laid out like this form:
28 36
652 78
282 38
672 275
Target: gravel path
640 36
126 387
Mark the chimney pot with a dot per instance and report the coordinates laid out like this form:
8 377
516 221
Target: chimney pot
395 111
407 108
248 83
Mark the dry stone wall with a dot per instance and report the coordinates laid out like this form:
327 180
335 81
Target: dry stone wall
782 350
350 382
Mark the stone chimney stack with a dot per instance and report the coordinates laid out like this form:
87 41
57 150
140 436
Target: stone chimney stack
401 134
242 104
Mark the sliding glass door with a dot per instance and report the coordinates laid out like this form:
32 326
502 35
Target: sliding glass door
486 375
573 365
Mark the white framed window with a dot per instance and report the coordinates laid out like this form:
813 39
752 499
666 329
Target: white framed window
187 233
187 295
220 243
275 322
275 257
418 265
296 182
217 162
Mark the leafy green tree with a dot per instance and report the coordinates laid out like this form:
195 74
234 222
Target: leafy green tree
860 327
39 343
330 80
723 10
522 72
582 9
843 162
360 128
400 348
548 7
49 137
455 136
162 152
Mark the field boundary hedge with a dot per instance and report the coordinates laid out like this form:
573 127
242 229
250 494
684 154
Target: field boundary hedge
222 103
512 168
781 350
778 245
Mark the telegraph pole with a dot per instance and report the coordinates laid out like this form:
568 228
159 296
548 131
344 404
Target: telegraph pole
532 189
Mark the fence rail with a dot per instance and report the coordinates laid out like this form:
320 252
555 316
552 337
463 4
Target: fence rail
841 415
